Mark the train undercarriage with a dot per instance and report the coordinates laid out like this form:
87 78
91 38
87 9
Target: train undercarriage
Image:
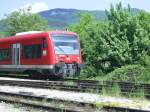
60 70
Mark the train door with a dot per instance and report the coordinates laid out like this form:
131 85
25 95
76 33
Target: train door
16 54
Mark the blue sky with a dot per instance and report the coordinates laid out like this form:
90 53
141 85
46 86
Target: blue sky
40 5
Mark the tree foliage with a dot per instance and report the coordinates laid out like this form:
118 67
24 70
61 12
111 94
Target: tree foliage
126 38
22 20
120 40
88 30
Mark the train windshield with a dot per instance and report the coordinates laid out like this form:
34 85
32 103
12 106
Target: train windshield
65 44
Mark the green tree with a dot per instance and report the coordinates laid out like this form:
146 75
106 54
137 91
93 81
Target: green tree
22 20
127 40
144 19
89 31
120 40
2 34
85 30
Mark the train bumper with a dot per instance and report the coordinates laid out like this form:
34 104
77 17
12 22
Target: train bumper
67 70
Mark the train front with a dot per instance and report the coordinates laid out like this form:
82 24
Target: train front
67 54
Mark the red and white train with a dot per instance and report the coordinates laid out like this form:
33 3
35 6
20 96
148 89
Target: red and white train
55 53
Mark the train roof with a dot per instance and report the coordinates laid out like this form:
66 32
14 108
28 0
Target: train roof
33 34
60 32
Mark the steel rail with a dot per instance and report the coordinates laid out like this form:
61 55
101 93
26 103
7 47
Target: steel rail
79 106
81 86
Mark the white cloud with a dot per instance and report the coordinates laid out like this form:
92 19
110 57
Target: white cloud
35 7
38 7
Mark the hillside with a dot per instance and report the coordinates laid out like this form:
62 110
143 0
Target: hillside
60 18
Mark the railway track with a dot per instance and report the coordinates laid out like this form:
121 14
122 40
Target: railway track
46 103
69 85
82 85
56 105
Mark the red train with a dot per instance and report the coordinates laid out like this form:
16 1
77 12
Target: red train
52 53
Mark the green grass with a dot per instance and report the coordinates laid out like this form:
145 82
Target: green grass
111 91
115 91
140 94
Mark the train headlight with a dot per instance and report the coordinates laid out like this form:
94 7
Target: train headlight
68 58
44 52
57 59
78 59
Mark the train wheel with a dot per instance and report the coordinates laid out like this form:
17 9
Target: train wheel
34 75
60 72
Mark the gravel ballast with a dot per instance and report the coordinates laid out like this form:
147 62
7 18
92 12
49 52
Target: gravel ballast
80 97
8 107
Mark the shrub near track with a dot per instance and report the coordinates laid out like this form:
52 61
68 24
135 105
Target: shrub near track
130 73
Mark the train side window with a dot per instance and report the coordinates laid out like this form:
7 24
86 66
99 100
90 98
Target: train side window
44 44
4 54
31 51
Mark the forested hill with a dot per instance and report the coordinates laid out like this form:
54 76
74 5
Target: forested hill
59 18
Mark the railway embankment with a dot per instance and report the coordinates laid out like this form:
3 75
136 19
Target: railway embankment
67 100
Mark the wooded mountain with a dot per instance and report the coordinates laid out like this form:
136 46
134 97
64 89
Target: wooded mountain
60 18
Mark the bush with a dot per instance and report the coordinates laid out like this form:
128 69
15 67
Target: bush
130 73
90 72
145 61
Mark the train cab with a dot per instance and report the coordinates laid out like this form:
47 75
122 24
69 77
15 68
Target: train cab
52 53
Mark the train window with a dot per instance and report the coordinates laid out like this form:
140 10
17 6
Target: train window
4 54
44 44
32 51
